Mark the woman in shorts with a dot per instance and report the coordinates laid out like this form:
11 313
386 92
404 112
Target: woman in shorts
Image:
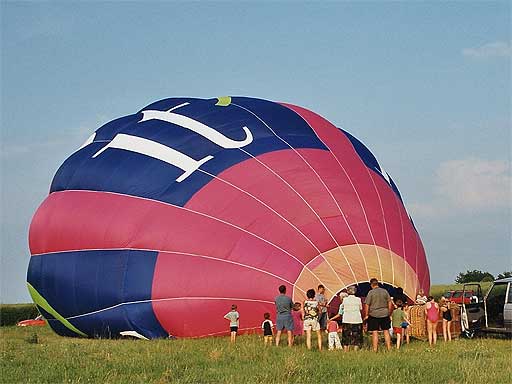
311 312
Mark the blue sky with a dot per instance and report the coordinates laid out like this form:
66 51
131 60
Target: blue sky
425 85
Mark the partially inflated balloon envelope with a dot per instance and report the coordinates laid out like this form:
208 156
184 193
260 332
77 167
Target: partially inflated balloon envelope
165 218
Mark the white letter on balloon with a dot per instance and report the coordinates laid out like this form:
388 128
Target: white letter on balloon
169 155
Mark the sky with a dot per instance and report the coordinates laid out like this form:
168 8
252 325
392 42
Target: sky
425 85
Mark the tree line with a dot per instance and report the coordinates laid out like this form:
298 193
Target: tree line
479 276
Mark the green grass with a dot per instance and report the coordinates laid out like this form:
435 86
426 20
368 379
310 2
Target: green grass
37 355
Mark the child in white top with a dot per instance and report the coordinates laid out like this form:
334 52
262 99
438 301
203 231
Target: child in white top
233 316
311 312
421 298
267 326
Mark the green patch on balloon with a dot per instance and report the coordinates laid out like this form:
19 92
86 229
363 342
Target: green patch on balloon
223 101
41 301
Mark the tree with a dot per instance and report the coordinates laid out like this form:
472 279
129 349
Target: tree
472 276
504 274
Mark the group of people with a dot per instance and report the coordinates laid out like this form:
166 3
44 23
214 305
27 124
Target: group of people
380 313
314 317
433 313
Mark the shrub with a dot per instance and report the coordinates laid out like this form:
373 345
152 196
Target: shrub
10 314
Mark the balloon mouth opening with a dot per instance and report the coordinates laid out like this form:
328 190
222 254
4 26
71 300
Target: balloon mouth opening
354 264
363 287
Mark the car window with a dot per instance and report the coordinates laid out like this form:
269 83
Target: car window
497 293
509 294
447 294
457 294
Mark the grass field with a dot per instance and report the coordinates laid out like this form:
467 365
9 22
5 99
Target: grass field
37 355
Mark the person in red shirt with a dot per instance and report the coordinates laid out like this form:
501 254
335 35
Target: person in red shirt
333 337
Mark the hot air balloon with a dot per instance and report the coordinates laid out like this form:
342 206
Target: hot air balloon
165 218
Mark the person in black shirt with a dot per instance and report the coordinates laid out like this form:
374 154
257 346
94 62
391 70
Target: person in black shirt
267 329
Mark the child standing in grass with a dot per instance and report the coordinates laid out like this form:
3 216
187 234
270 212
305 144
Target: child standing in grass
267 326
311 315
398 317
333 337
405 324
447 319
233 316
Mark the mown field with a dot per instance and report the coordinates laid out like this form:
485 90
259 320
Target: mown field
37 355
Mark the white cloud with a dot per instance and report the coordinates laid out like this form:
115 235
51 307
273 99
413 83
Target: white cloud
495 49
475 183
467 185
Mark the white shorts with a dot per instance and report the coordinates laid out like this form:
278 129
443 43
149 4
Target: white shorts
311 324
334 341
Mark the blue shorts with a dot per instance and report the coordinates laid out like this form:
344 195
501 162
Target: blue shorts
284 321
